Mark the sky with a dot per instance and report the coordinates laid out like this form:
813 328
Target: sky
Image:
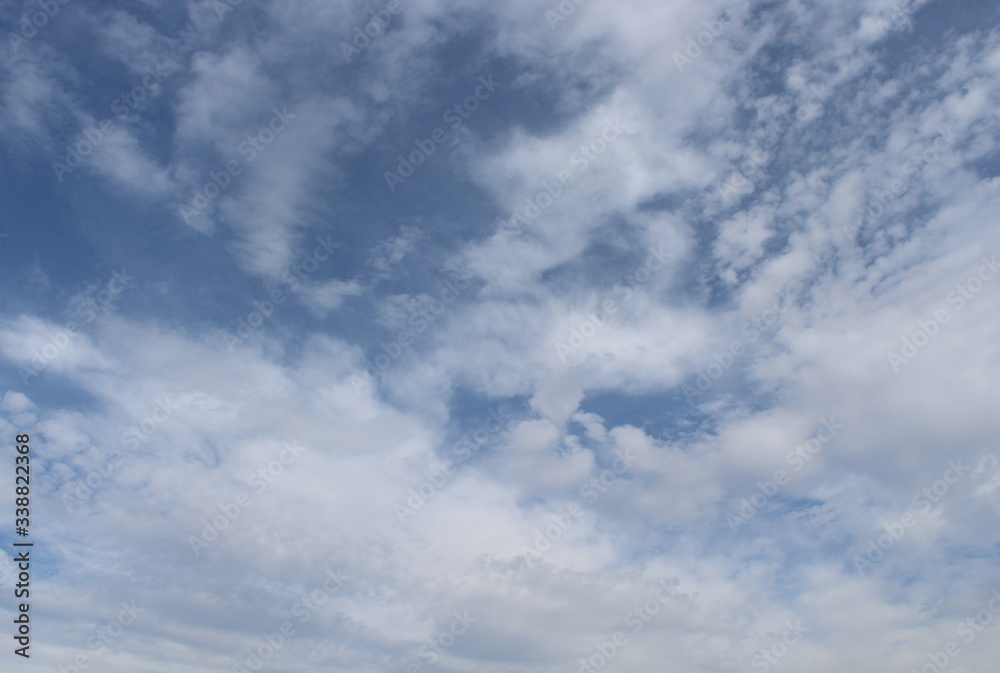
519 337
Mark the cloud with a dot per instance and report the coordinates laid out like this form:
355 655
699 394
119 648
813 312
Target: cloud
690 264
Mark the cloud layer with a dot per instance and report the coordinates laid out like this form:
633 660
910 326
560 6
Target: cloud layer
535 336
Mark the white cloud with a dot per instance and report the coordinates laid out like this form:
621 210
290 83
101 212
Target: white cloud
165 431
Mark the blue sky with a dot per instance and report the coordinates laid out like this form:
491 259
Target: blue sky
640 335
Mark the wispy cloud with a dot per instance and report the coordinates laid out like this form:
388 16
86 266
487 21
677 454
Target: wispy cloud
513 337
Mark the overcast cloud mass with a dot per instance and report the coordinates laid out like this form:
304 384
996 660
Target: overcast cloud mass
419 336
